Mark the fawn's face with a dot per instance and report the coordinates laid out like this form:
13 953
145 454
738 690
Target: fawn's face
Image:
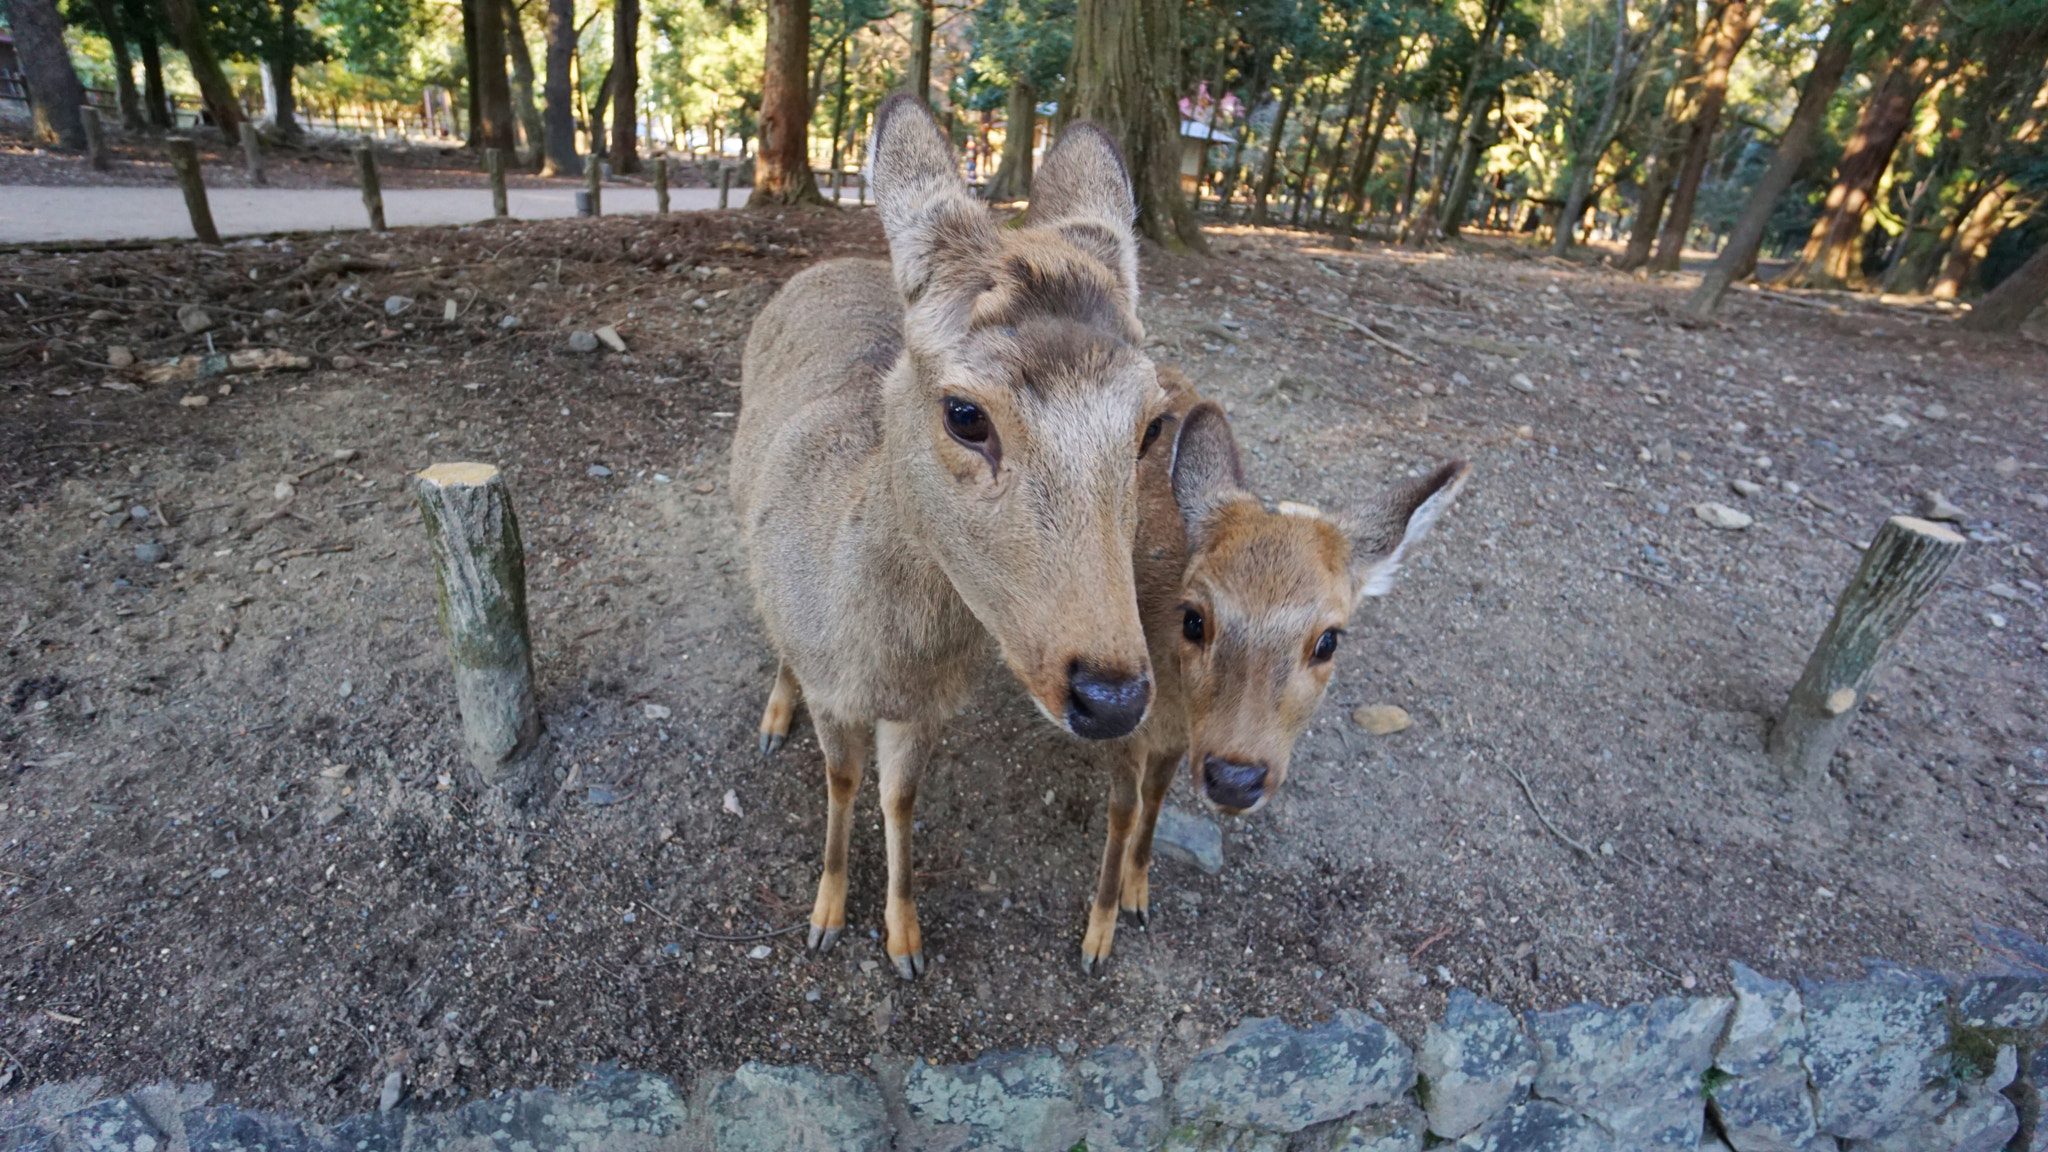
1264 601
1016 430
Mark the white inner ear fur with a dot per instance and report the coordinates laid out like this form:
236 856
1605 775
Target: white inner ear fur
1376 578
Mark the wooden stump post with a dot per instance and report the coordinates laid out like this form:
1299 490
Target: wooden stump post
836 175
252 153
1900 570
594 172
724 186
661 186
863 177
480 596
185 163
373 192
494 165
95 137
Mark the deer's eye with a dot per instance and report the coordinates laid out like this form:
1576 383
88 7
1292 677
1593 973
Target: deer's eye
1151 434
1326 645
966 421
1191 625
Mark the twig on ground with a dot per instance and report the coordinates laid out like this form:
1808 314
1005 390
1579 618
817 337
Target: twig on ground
1537 808
1425 945
132 303
1661 583
675 923
1371 335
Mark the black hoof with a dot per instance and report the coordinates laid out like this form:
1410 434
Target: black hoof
822 939
909 967
1136 917
771 743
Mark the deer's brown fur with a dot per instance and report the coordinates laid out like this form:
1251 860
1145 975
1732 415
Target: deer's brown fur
887 546
1267 585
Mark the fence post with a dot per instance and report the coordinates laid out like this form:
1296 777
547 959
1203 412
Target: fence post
494 163
185 163
373 192
593 171
252 153
661 186
95 137
724 186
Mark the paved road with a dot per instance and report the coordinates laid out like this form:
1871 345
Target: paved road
30 214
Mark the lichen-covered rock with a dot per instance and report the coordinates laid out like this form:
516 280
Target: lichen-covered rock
768 1108
1472 1065
385 1133
1636 1070
1397 1127
1874 1053
1266 1075
1539 1126
613 1110
1763 1102
223 1129
1122 1100
1983 1120
1008 1101
2003 1002
116 1125
1220 1138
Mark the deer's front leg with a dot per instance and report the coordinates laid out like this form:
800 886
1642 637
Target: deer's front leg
1137 861
781 709
900 753
1123 813
846 753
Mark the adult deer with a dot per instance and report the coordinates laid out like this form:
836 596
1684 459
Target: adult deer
939 450
1243 610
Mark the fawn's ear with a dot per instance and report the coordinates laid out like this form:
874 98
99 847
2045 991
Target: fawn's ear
1207 473
1382 530
926 209
1083 192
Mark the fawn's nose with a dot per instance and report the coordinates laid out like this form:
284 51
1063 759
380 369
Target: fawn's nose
1231 785
1105 706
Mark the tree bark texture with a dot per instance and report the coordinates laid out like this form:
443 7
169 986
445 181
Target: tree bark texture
1738 255
54 93
1311 139
918 77
782 173
1013 175
1125 74
1899 572
214 88
1969 242
373 189
493 87
1587 159
626 87
185 166
1269 167
1728 30
522 84
1361 171
480 598
156 103
96 137
130 102
280 58
558 132
1667 143
2007 306
252 154
471 64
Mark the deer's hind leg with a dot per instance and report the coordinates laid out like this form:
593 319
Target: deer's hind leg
846 754
1123 816
900 754
781 710
1136 888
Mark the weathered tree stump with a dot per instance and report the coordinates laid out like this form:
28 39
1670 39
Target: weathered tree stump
1900 570
185 163
494 165
724 186
480 594
373 192
594 175
95 137
252 153
661 186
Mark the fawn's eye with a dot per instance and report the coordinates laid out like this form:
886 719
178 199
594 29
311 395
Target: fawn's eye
967 422
1151 434
1326 645
1191 625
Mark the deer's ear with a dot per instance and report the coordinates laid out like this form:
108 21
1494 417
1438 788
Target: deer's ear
1083 191
1206 470
926 209
1382 530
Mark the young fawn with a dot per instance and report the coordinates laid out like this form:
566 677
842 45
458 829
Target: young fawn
1243 610
923 464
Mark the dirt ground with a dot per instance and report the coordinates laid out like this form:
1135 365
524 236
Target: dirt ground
236 844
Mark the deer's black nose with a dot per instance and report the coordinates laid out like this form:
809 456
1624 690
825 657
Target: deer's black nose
1231 785
1104 707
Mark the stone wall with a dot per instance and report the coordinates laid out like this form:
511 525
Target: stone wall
1899 1061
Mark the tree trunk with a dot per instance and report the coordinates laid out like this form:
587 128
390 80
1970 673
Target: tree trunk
1971 240
281 59
782 174
1729 30
1361 169
1739 253
1833 257
213 83
1269 167
558 130
626 87
1335 161
53 88
156 103
494 89
1308 153
472 64
1125 73
1255 92
1668 142
109 13
839 110
1587 159
1476 144
597 111
918 78
1482 55
522 84
1013 177
2015 298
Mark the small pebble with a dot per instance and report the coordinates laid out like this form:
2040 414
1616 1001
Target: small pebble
1722 516
611 339
1520 382
582 342
656 711
1994 619
1746 487
599 471
2007 468
1382 719
732 802
704 487
1935 506
193 401
760 952
507 322
393 305
394 1084
149 552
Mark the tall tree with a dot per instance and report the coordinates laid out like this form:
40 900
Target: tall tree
1738 254
918 77
522 83
108 14
1125 76
156 102
1729 28
472 64
1666 146
1276 139
626 86
782 171
54 92
214 90
558 132
1027 42
493 87
1629 48
280 60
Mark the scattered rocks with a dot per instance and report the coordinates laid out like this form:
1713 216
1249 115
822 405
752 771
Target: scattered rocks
1473 1065
1122 1100
116 1125
1764 1104
193 401
1661 453
194 319
1266 1075
656 711
1935 506
1520 382
610 338
582 343
1009 1101
394 1084
120 357
1874 1053
150 552
1746 488
1382 719
1717 515
1538 1126
1193 839
1636 1070
2004 591
797 1110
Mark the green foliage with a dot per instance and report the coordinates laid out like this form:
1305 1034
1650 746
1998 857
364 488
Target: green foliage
377 38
